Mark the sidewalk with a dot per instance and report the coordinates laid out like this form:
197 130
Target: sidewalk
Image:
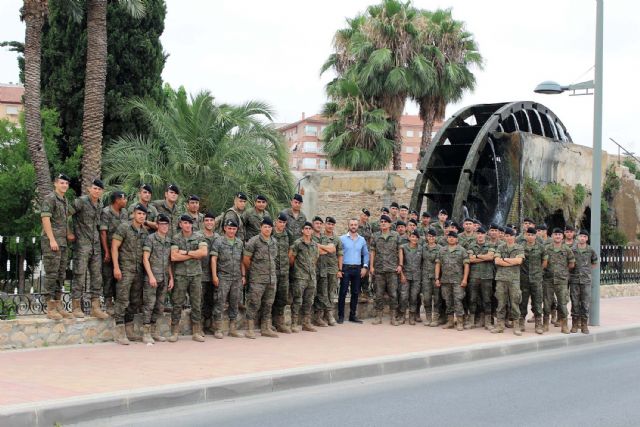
45 374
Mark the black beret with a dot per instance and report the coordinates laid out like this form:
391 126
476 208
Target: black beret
240 195
261 197
541 227
452 234
117 195
231 223
510 231
307 224
330 220
481 230
146 187
174 188
531 230
282 217
413 211
476 221
187 218
298 198
267 221
432 232
501 229
557 230
140 207
209 215
584 232
494 226
400 223
443 211
385 218
413 221
467 219
384 209
394 205
569 228
529 220
163 218
317 218
194 198
415 233
366 211
426 214
98 183
404 207
63 177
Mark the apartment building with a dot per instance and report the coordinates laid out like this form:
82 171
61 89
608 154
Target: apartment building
11 101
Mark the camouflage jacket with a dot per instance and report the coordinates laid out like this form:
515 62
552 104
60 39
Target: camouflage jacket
252 220
534 255
57 209
159 249
585 258
263 254
306 257
385 248
110 220
412 262
330 261
283 243
206 261
173 213
232 213
86 221
228 257
558 264
429 256
452 261
481 270
366 231
511 273
152 211
190 267
465 240
132 241
294 225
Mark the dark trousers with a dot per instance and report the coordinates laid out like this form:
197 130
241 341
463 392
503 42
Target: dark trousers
350 278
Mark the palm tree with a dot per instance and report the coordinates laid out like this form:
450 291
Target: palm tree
95 80
208 149
451 51
34 13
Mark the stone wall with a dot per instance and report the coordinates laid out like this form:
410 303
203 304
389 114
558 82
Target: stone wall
626 205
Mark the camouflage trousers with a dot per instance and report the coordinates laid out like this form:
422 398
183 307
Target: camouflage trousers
304 291
480 293
87 267
229 289
183 285
208 299
260 301
108 281
560 292
508 294
408 294
283 296
153 301
55 267
128 295
553 303
386 283
533 289
580 299
453 296
325 291
430 297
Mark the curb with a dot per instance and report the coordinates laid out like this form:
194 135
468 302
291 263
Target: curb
82 409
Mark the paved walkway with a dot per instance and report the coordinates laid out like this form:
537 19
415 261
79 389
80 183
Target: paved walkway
63 372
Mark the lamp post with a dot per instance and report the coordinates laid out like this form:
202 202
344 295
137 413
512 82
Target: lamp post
549 87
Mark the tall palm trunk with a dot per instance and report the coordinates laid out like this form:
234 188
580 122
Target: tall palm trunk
431 110
95 79
33 14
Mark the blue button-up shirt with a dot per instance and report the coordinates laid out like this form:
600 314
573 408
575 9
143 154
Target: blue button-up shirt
355 252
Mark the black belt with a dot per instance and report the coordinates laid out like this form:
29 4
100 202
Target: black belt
350 265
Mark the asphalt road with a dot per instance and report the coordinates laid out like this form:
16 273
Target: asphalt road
596 385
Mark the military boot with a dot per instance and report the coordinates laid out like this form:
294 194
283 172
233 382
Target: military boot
128 328
207 327
517 330
428 318
449 324
52 310
539 329
77 312
487 322
155 335
266 331
328 315
417 317
217 329
479 321
196 332
295 323
318 319
233 329
531 319
575 324
435 321
508 323
62 311
460 323
471 322
146 336
378 319
393 321
96 310
306 324
250 334
119 335
281 326
498 328
108 302
554 318
412 318
442 319
175 331
585 325
545 323
521 324
564 324
401 317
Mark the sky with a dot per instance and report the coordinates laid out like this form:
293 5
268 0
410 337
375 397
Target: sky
272 51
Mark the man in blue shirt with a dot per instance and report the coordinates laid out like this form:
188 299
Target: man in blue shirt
354 267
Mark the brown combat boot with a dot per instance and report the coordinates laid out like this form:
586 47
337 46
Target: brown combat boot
108 303
449 324
378 319
521 324
52 310
266 331
250 334
554 318
564 324
471 322
146 335
328 315
435 321
498 327
575 324
233 329
96 310
318 319
585 325
516 327
412 318
295 323
196 332
487 322
281 325
539 329
508 323
76 309
207 327
119 335
393 321
155 335
306 324
175 331
417 317
62 311
545 323
217 329
128 328
460 323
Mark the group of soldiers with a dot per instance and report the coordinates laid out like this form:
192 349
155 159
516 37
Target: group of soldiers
134 253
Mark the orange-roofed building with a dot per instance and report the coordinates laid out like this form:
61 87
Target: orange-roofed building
11 101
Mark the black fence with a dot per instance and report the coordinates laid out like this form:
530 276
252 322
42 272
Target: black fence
619 264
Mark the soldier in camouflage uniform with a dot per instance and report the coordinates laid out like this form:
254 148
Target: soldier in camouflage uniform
144 198
440 225
375 225
126 254
561 260
228 275
385 267
332 264
481 255
401 229
259 260
53 213
193 210
169 207
295 217
208 291
508 258
452 274
156 258
235 213
551 311
252 217
110 218
188 247
430 292
282 299
365 229
468 236
535 261
410 277
303 256
586 260
425 224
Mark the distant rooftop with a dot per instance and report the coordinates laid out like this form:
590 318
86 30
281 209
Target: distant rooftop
11 93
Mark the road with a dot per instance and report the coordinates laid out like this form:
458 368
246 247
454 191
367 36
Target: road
595 385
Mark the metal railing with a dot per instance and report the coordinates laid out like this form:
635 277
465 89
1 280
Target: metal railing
619 264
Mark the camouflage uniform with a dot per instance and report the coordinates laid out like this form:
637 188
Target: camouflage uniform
187 277
172 213
198 221
480 278
330 275
262 277
229 258
295 225
208 290
304 275
581 285
55 263
558 269
87 254
252 220
109 222
412 269
129 289
430 292
385 247
465 239
508 281
439 228
531 278
235 215
282 299
159 249
551 303
321 299
452 261
403 239
152 211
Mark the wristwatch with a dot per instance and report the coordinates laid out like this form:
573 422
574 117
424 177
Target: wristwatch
365 266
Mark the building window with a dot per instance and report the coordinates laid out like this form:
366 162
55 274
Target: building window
309 163
408 165
323 164
310 147
420 134
12 110
311 130
410 133
409 149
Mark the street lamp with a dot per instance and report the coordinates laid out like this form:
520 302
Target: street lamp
550 87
